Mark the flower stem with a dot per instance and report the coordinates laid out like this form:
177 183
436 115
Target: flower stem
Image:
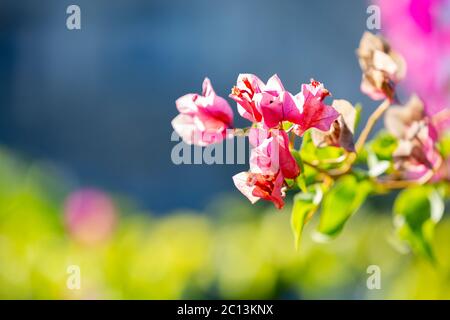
370 124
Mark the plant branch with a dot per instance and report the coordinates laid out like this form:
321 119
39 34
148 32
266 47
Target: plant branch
332 173
371 123
402 184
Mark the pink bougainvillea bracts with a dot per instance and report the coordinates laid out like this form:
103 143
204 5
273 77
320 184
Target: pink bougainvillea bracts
420 31
244 93
271 153
331 171
382 67
416 153
271 162
342 130
203 119
314 113
257 186
268 103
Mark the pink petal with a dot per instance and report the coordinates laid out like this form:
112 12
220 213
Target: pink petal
207 88
257 135
256 83
274 85
288 164
291 112
240 181
316 114
186 103
185 127
220 110
276 194
270 107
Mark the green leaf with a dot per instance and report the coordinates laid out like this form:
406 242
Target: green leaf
417 210
309 152
329 152
298 159
309 176
290 182
301 182
383 145
342 201
301 179
305 205
307 149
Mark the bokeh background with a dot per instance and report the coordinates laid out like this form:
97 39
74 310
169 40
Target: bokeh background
85 171
99 101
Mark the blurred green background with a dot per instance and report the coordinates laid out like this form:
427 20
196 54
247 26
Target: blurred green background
231 250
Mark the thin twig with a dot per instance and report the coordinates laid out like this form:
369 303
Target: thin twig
371 123
332 173
312 165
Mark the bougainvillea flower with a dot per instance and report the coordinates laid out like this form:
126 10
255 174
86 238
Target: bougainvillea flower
342 129
257 186
399 118
247 85
416 157
270 163
203 119
382 67
276 104
416 154
314 113
276 109
420 31
268 103
271 153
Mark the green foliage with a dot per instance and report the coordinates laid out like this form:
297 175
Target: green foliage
415 218
417 210
298 159
190 255
304 207
340 203
383 145
310 153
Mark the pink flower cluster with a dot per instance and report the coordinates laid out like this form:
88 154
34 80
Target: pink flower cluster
204 119
416 154
420 31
